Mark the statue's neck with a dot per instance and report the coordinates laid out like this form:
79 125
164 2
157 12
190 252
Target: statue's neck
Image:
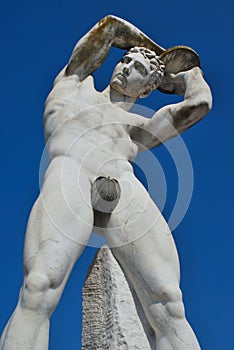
123 101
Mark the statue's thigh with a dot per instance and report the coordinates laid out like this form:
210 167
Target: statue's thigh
61 219
141 240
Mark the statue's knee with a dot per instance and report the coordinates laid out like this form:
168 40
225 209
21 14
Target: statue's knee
172 298
170 293
34 290
175 309
169 306
37 282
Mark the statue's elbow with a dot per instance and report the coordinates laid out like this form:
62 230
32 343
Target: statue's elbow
206 105
207 101
107 20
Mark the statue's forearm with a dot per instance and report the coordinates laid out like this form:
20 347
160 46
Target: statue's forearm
91 51
173 119
126 35
197 101
196 87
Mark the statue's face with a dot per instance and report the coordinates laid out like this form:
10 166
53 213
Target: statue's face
131 75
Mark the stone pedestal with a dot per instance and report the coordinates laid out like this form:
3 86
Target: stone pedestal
111 319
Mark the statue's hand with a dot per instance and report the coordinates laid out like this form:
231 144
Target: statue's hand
176 83
173 83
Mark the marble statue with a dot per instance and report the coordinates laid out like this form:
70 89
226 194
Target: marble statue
92 138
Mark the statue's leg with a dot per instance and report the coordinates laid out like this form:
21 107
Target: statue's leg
59 227
142 243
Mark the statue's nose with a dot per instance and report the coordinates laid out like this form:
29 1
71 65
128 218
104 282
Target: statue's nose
126 71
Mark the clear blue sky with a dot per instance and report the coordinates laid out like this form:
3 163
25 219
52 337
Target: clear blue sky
36 41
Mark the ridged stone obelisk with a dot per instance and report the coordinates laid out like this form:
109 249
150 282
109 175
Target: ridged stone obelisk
110 318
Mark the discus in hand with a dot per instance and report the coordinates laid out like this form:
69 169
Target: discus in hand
177 59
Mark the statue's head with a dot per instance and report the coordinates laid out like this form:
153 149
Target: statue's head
139 72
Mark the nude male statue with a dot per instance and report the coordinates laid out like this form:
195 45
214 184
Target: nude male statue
91 134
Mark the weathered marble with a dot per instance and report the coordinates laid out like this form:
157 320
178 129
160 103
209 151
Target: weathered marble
90 134
110 318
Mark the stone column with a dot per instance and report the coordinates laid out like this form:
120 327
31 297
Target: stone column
111 320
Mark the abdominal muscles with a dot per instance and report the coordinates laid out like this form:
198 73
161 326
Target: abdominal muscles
103 148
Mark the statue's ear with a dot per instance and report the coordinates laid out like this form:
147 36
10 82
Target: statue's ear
145 93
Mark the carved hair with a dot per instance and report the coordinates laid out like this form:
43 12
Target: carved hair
156 66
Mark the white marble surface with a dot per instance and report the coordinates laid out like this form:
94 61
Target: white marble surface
91 134
110 318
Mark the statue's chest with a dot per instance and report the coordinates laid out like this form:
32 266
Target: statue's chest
86 96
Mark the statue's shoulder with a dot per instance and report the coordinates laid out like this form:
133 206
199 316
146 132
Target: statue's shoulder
71 84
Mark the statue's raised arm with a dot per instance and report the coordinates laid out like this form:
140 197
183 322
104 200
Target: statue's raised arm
92 49
90 185
174 119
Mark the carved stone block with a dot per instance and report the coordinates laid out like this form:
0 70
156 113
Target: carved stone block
110 318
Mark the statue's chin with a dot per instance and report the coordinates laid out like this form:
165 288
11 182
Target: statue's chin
120 89
117 86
